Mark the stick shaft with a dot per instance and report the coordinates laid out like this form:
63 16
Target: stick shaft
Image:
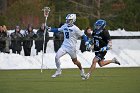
46 16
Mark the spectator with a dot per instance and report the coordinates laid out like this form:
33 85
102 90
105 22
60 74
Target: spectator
7 38
88 33
40 39
16 40
29 35
58 39
3 36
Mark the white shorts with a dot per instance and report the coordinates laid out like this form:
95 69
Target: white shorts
64 50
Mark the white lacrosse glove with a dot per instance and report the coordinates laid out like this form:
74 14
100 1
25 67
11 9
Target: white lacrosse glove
48 28
88 46
109 45
103 49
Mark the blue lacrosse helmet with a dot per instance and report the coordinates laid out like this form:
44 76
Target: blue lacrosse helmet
100 24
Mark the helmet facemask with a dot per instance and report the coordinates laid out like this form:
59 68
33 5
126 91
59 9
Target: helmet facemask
97 26
100 24
69 21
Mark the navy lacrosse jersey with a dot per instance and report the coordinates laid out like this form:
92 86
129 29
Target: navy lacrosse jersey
101 39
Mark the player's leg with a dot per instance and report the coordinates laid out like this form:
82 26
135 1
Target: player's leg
77 62
98 57
92 68
59 54
106 62
72 53
101 56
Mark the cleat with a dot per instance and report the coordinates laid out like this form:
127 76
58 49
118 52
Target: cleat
86 76
114 60
82 73
57 73
83 78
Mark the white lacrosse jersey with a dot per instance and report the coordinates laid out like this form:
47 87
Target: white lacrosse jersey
71 34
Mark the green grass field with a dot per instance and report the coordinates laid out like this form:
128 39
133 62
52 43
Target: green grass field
104 80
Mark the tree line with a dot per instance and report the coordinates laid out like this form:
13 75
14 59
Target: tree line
118 13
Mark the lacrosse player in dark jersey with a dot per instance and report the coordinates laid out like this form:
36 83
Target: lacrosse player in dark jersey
102 43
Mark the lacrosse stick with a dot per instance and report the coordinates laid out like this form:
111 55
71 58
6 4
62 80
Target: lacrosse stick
46 13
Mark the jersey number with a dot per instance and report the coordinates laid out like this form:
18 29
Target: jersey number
97 43
67 35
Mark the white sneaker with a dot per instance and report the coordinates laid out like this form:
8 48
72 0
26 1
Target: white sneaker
57 73
86 76
82 73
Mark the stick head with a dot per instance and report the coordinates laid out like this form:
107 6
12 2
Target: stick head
46 11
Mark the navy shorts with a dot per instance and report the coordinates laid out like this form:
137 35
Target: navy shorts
100 55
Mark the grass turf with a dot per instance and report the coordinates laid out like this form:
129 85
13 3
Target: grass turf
103 80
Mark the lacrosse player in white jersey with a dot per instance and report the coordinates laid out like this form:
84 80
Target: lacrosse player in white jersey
71 34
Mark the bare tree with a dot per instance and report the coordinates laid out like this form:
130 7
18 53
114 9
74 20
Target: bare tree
3 6
98 3
93 8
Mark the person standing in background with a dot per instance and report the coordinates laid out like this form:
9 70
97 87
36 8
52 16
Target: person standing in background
3 36
39 42
7 39
29 35
16 40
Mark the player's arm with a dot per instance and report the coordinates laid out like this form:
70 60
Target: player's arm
109 42
109 45
88 43
85 38
55 30
81 34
